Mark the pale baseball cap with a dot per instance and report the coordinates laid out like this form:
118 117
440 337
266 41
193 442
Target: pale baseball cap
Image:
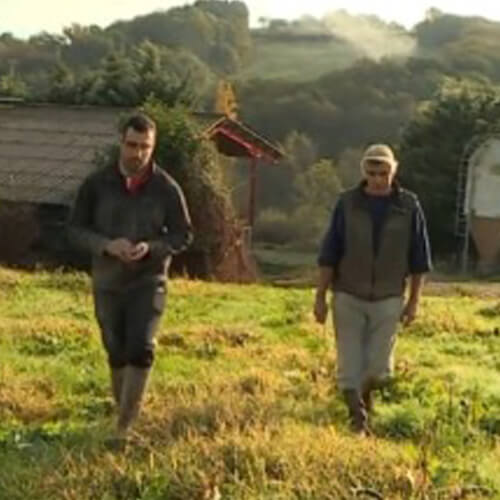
381 153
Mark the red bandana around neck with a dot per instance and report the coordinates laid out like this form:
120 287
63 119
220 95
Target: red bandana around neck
135 182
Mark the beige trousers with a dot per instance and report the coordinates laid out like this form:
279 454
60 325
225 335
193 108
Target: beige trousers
365 334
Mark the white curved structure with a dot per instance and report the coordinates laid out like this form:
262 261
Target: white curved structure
482 201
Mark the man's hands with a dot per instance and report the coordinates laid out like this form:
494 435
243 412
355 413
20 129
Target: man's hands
410 310
320 306
139 251
126 251
320 309
119 248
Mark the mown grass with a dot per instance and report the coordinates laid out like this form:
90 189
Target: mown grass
242 402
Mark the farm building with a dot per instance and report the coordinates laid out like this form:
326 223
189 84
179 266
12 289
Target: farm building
478 219
47 150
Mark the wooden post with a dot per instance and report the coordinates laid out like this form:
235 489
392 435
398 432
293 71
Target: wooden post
252 192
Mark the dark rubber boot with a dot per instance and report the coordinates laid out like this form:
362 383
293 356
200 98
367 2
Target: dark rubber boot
357 412
134 386
369 386
117 376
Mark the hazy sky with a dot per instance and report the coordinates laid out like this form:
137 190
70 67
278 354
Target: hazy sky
25 17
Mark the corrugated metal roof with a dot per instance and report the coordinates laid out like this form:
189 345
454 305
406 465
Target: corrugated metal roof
47 151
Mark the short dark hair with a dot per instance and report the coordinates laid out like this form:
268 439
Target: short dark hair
140 122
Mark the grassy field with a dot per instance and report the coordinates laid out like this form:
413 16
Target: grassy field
242 402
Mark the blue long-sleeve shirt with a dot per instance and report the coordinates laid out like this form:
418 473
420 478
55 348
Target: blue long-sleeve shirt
333 246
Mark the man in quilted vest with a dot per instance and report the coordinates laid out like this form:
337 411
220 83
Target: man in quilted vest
374 249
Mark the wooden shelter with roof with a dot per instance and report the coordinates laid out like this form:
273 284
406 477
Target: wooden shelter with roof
236 139
46 151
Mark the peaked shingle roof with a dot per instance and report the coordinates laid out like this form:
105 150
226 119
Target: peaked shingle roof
47 151
235 138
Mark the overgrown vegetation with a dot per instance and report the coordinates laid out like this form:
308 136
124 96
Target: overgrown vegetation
242 402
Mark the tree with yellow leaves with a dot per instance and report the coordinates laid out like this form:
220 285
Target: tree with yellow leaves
225 101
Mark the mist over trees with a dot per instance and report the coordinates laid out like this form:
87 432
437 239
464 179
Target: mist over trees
324 88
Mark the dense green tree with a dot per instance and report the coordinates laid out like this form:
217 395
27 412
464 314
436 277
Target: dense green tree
49 41
432 147
464 44
368 102
87 45
62 85
273 179
215 31
12 85
318 185
128 79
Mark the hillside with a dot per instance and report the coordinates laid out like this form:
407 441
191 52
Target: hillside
308 48
297 59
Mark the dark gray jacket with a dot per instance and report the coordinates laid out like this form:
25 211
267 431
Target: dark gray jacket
104 210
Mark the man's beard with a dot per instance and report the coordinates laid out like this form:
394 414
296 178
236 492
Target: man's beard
131 169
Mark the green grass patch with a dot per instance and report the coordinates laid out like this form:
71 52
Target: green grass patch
242 402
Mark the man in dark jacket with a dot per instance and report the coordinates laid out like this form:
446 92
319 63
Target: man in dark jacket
131 217
376 242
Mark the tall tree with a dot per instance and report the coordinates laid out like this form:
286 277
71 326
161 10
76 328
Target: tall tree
433 144
12 84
